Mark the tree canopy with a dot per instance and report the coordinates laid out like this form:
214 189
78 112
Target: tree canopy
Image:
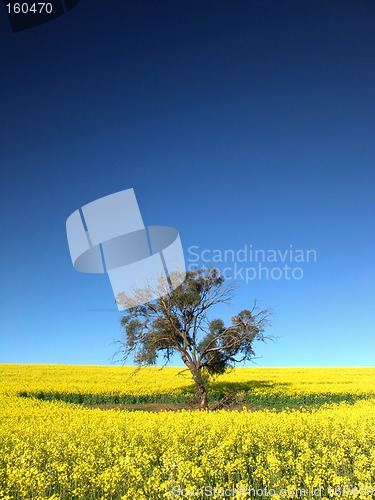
177 322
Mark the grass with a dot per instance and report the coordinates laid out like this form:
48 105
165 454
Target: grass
268 401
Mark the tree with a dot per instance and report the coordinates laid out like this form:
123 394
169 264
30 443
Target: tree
177 322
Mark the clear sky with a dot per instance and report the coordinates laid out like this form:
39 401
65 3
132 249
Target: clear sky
238 123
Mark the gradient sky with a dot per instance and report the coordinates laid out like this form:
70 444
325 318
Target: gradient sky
239 123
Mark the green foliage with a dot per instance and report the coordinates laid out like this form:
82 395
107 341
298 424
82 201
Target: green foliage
177 322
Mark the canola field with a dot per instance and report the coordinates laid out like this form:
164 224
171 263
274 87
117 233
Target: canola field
314 436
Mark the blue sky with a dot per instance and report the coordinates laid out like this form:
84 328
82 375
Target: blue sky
238 123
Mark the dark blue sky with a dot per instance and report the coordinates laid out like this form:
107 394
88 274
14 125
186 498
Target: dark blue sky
239 123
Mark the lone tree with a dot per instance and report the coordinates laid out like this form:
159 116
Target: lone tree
177 322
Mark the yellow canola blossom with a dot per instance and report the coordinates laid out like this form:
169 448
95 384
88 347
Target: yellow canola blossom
172 380
54 450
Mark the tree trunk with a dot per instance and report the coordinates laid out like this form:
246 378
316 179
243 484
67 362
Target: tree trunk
202 396
201 390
